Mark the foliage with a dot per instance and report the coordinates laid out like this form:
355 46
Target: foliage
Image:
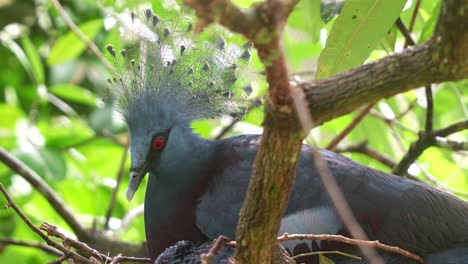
52 117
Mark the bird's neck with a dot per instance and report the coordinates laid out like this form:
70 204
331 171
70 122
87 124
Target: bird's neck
173 191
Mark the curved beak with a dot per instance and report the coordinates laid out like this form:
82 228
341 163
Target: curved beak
136 175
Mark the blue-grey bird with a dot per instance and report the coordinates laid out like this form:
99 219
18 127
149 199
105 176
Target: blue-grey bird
196 186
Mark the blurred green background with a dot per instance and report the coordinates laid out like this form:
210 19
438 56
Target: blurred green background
53 119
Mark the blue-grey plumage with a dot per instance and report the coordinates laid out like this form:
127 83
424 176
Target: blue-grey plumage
196 186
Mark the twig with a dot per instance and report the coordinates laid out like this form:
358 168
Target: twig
116 189
59 260
119 258
53 231
338 238
131 215
44 189
226 129
406 33
391 121
413 18
38 231
356 242
44 247
80 34
429 108
363 147
424 141
428 89
324 253
459 126
218 244
334 142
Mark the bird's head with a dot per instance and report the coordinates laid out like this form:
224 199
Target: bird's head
173 79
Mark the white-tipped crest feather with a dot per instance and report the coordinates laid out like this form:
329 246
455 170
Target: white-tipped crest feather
176 73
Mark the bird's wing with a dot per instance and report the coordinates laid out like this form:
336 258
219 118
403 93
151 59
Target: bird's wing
392 209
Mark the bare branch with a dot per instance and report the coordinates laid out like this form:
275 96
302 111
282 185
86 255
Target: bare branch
116 188
33 244
356 242
28 222
334 142
459 126
44 189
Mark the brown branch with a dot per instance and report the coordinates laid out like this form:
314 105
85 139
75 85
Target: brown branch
32 244
424 141
28 222
59 260
459 126
84 248
356 242
226 129
264 205
116 188
69 242
334 142
217 245
220 243
45 190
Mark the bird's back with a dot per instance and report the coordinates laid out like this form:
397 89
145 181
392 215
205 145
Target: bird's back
391 209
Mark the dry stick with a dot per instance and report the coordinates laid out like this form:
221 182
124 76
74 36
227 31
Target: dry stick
336 252
38 231
44 189
332 145
218 244
80 34
116 189
356 242
44 247
53 231
329 181
321 237
59 260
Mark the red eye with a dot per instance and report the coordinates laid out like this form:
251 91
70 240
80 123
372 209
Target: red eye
158 143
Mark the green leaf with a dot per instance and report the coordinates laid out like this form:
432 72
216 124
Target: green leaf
306 17
74 93
70 46
34 59
355 33
430 24
47 163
